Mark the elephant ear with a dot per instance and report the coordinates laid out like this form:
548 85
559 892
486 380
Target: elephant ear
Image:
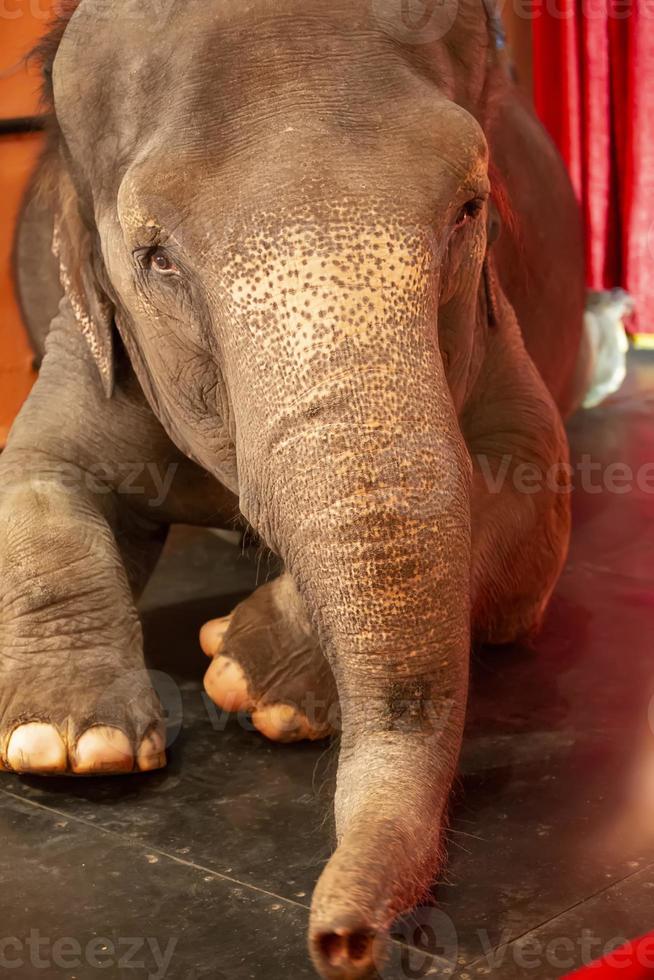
73 246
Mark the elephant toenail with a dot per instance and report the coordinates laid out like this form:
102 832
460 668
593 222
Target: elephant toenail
212 635
103 749
281 723
152 751
226 685
36 747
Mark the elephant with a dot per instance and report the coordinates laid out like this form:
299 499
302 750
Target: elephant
320 271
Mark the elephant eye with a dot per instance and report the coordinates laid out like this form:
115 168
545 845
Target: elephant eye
156 260
470 210
160 261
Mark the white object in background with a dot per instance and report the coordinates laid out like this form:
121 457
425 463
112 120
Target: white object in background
608 342
234 538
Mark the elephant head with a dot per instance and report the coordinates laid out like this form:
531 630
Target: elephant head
283 211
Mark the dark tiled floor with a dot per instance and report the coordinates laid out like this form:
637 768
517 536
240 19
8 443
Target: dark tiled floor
212 862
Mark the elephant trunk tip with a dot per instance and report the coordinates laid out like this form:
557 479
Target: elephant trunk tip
349 950
386 857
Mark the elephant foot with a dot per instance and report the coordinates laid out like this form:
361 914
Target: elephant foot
75 695
267 661
76 714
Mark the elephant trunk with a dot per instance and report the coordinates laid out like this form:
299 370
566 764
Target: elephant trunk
361 484
385 572
383 566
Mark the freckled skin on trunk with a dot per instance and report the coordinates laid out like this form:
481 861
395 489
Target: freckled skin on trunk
282 300
389 603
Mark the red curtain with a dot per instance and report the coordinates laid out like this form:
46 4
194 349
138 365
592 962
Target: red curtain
634 961
594 90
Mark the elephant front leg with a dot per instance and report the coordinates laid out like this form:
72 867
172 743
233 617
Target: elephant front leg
267 661
88 487
74 692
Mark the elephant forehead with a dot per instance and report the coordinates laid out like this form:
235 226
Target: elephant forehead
313 295
125 73
221 83
345 266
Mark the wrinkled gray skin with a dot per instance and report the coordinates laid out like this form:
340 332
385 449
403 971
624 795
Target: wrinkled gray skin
270 201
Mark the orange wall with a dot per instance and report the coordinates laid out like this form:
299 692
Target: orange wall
21 23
